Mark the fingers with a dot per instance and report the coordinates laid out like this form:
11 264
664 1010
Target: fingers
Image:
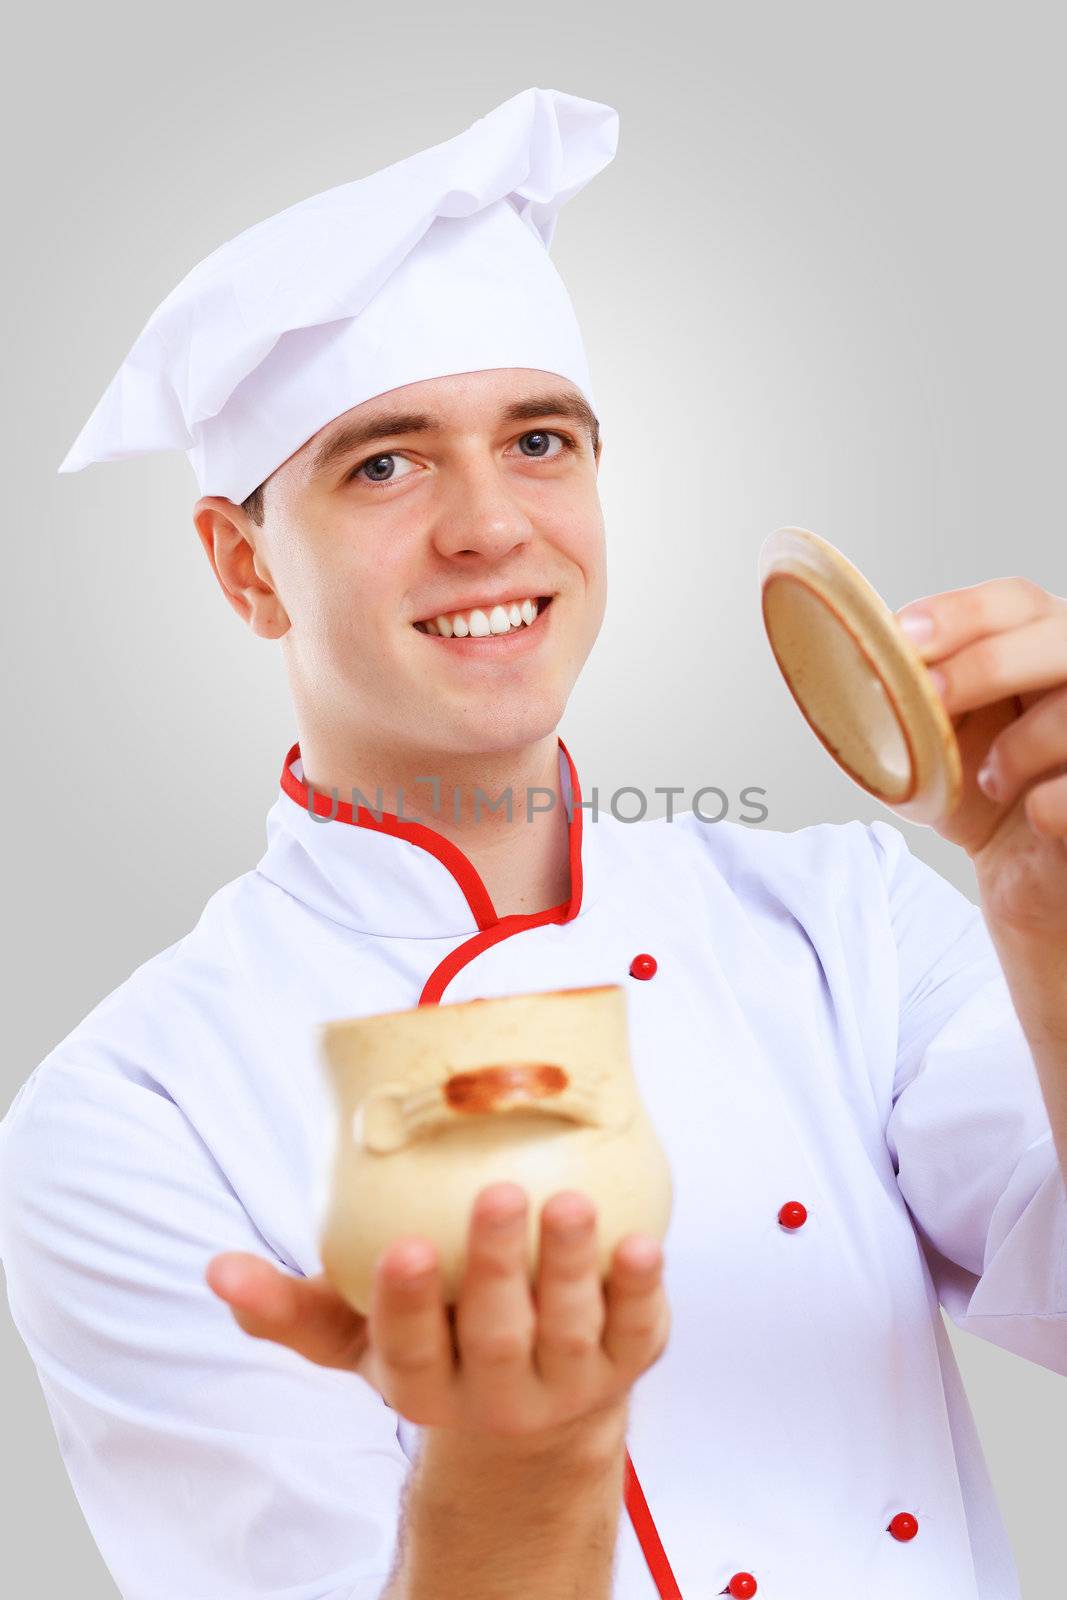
570 1300
304 1314
495 1316
638 1316
960 616
1032 745
498 1362
1046 808
1028 657
262 1299
411 1336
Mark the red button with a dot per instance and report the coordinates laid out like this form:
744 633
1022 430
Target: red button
793 1214
742 1586
903 1526
643 967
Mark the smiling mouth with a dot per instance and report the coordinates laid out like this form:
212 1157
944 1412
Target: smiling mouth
543 602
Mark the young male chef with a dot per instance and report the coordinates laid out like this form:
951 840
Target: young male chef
859 1077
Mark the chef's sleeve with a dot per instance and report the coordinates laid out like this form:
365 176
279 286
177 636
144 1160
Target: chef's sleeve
209 1465
968 1129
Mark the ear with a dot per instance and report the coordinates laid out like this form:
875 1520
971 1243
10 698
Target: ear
229 538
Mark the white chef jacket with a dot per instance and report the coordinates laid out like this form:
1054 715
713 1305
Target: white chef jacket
829 1054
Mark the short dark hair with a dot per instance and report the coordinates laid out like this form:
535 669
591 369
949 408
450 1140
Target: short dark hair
253 506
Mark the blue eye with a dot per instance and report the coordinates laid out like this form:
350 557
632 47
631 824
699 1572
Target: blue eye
382 468
540 454
376 461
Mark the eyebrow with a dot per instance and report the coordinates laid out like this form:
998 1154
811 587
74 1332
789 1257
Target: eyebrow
382 424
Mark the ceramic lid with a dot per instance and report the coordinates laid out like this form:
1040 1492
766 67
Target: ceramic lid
860 683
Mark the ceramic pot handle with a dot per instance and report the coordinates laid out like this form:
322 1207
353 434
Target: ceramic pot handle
394 1114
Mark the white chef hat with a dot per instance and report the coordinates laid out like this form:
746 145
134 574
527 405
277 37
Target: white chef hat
435 265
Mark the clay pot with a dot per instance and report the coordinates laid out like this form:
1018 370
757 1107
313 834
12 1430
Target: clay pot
436 1102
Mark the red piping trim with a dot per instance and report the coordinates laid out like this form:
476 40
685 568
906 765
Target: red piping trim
449 854
648 1536
446 970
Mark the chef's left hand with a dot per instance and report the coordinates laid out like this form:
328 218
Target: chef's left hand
1001 650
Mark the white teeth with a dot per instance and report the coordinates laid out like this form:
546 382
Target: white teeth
478 624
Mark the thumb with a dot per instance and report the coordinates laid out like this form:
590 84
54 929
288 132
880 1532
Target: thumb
306 1315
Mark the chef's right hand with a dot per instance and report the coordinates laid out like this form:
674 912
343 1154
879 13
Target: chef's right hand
503 1361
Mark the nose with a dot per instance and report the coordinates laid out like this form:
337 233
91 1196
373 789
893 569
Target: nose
480 514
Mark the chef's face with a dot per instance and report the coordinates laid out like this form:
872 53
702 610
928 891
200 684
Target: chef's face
440 497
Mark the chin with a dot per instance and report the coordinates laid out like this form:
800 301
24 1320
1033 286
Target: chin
508 727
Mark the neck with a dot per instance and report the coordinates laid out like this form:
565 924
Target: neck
523 859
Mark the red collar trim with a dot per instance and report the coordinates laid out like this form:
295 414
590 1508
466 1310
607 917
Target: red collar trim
449 854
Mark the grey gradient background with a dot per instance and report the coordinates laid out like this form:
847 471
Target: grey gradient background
822 284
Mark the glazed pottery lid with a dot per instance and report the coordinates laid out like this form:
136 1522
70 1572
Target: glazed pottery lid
860 683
